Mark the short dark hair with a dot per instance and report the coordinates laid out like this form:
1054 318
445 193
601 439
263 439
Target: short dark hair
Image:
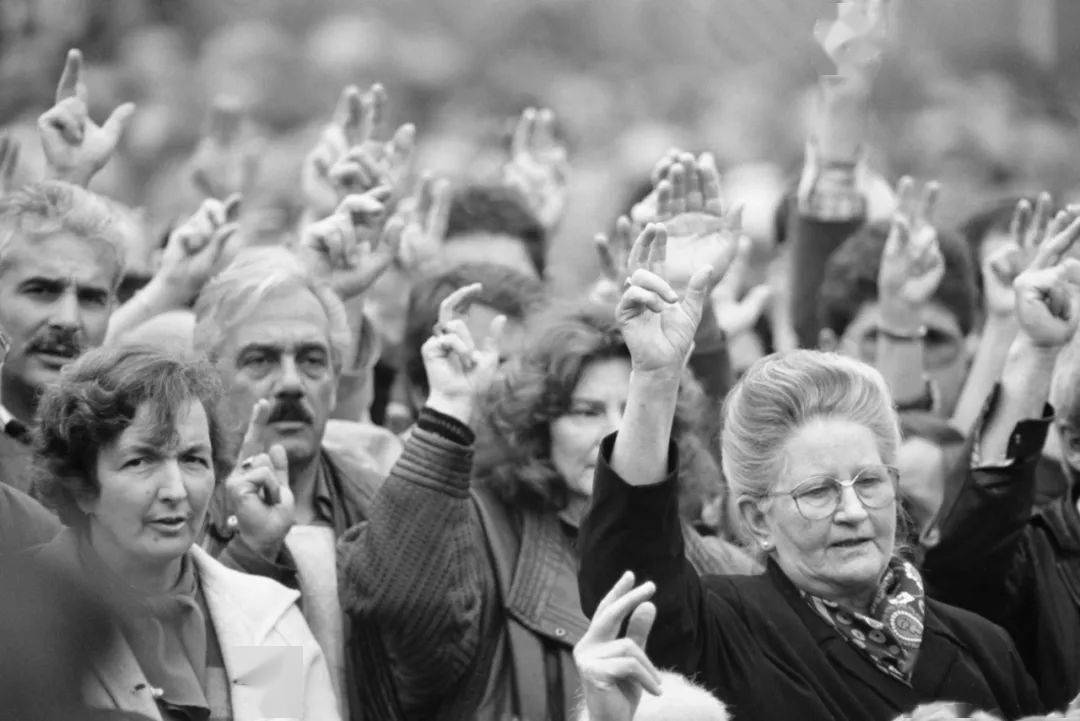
851 272
96 399
513 453
510 292
499 210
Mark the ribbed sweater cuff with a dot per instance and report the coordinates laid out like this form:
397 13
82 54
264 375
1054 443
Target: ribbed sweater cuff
446 426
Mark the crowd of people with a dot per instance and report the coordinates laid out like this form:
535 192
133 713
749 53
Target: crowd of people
361 462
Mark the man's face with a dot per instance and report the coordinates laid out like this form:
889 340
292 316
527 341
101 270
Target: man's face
945 348
55 301
281 352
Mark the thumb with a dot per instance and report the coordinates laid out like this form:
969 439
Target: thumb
118 120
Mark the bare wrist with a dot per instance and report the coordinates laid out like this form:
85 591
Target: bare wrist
460 408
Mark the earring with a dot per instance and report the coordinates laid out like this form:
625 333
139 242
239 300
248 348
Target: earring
766 546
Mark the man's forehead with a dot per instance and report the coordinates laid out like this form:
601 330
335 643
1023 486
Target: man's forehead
61 257
284 318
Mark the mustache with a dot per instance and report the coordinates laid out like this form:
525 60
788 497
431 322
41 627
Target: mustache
58 341
290 409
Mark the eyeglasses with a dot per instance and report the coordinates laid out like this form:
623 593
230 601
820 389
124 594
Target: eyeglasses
818 498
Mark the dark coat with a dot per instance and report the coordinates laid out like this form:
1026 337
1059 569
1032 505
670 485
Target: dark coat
23 521
1015 564
461 607
756 644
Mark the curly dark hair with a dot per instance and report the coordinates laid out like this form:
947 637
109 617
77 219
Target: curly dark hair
513 456
96 399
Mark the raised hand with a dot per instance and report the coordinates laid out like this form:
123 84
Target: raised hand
657 325
9 162
699 230
352 247
538 167
368 161
459 371
1048 292
912 265
194 250
425 215
737 314
1001 268
320 195
615 669
258 491
75 146
856 40
224 162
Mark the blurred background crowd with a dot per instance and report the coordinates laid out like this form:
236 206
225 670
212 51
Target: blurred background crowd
973 92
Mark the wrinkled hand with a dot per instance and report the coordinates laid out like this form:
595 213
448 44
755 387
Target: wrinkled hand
424 215
1048 292
224 163
9 163
75 146
614 670
737 314
352 247
258 489
912 265
538 168
194 249
657 325
1001 268
369 162
458 370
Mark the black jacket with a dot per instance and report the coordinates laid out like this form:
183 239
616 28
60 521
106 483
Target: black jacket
1019 567
756 644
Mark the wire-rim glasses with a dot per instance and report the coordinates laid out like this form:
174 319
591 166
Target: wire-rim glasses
819 497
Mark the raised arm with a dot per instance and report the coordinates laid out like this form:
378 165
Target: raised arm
415 578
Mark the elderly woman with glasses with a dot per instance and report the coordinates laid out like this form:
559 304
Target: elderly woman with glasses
839 626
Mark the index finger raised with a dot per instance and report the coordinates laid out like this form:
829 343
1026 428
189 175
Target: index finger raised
255 436
70 78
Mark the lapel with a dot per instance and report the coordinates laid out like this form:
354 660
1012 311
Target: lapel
244 610
119 682
938 653
845 656
543 593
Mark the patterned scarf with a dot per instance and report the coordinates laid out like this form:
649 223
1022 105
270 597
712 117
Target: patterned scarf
891 634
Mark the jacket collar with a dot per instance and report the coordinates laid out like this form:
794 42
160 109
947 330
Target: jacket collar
940 648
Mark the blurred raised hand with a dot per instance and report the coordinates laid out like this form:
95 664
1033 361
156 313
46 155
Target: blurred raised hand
75 146
194 250
9 163
912 265
1000 269
320 195
1048 291
538 167
855 40
424 216
225 162
355 244
737 312
369 161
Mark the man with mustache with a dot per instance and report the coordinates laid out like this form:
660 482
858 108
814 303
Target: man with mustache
280 339
60 264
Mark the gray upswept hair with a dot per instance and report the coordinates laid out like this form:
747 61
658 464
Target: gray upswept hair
253 275
38 210
781 392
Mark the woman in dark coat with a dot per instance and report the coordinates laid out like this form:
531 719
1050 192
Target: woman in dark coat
839 627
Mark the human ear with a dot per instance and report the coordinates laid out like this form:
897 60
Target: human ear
1070 446
755 520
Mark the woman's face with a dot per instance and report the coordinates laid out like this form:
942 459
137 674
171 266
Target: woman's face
841 557
596 405
153 500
